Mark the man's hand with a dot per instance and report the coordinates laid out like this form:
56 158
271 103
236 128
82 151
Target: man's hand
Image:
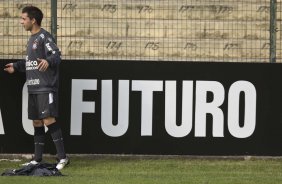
9 68
43 65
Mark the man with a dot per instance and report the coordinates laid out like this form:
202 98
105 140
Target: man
42 76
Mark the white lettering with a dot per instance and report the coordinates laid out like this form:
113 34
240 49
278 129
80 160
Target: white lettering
203 108
249 91
27 124
170 109
78 106
147 88
2 132
48 46
42 36
107 108
31 65
33 82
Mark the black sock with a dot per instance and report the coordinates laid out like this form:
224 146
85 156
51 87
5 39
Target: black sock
39 141
57 137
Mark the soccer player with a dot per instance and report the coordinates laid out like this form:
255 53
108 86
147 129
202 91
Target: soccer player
42 76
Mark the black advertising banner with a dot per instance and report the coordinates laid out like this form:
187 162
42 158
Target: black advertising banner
144 107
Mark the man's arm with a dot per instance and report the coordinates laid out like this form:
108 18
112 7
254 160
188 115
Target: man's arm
53 55
9 68
52 52
18 66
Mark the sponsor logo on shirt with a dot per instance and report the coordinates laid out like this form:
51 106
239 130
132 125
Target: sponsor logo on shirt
48 46
42 36
31 65
32 82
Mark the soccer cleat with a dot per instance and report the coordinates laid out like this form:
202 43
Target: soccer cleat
62 163
33 162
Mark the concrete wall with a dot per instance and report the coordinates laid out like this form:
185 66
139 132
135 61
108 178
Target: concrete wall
197 30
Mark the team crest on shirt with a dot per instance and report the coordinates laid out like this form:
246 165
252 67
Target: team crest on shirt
34 45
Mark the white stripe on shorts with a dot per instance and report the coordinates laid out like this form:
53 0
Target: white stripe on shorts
50 98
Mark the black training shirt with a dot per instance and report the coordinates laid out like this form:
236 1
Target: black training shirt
41 46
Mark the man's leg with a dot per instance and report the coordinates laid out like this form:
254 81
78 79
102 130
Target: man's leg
39 131
56 134
39 139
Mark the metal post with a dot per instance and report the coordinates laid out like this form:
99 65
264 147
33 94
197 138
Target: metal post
273 30
54 19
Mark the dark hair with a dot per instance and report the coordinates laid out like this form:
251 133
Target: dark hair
33 12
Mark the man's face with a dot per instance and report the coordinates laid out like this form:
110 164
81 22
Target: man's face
26 22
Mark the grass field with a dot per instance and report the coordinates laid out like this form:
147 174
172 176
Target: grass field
157 170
